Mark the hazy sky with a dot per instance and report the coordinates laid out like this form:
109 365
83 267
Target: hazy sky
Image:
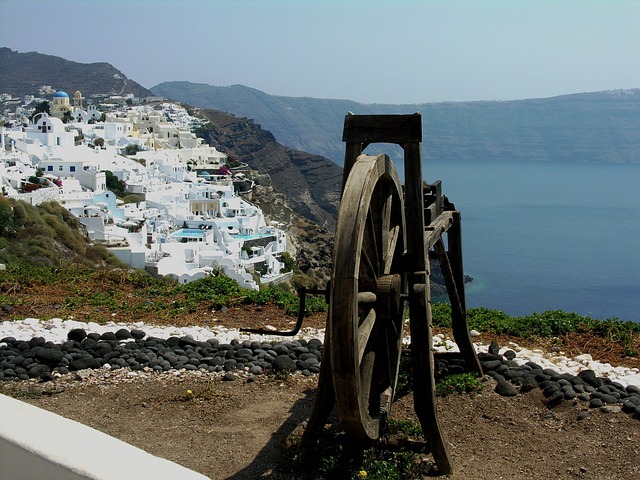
400 51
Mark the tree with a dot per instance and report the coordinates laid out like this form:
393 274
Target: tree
131 149
99 142
8 221
113 183
42 107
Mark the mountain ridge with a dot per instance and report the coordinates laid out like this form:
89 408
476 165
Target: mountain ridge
593 127
24 73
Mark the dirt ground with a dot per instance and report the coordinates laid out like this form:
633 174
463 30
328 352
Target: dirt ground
240 429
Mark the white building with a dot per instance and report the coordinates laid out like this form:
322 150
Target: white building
189 222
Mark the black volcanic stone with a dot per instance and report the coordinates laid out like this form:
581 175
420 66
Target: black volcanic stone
491 364
494 348
83 363
583 415
485 357
37 342
595 403
510 354
633 389
137 334
281 349
49 356
123 334
77 334
555 399
39 370
108 336
608 398
283 363
589 376
505 389
550 390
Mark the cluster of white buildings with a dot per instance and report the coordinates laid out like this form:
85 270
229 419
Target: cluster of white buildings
188 219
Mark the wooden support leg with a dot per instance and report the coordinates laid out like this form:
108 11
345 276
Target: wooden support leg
459 324
325 398
423 373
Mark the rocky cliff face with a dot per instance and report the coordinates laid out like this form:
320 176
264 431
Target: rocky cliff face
310 244
310 183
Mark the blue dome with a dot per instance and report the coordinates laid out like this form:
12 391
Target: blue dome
60 94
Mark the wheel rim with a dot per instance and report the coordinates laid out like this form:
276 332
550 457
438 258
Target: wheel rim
366 308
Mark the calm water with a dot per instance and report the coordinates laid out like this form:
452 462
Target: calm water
542 237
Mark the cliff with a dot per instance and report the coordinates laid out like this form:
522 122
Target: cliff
310 183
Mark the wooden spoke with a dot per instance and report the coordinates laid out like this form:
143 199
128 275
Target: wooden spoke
365 308
364 332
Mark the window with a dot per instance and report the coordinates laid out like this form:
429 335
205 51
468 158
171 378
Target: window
72 168
49 168
60 168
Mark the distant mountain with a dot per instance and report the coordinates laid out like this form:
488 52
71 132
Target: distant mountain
24 73
602 127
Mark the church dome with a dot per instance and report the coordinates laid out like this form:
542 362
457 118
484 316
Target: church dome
60 94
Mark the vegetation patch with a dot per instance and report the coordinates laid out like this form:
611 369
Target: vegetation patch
459 383
338 457
548 324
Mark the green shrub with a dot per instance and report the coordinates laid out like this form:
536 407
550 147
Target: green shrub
459 383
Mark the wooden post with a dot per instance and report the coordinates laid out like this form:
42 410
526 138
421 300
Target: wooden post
424 398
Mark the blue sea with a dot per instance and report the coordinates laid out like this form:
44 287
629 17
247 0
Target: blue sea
541 236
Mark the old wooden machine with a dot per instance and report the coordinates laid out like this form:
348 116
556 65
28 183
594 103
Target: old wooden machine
385 235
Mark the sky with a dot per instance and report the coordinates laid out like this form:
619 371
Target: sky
375 51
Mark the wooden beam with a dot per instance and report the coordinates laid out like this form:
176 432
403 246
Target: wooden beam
383 128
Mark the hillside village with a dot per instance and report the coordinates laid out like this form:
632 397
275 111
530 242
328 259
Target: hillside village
141 182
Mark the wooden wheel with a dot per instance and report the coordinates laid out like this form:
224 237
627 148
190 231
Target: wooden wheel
366 307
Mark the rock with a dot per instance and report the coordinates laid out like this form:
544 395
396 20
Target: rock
596 403
510 354
589 376
229 377
633 389
137 334
491 365
84 363
77 334
109 337
123 334
505 389
607 398
283 363
550 390
39 370
494 348
528 383
583 415
49 356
